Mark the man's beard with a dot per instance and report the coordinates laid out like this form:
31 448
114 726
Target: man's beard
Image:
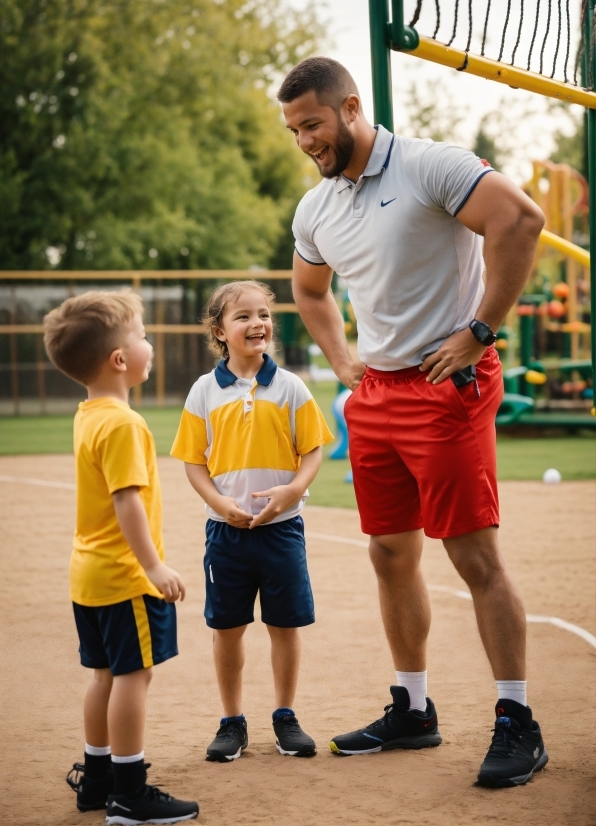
343 149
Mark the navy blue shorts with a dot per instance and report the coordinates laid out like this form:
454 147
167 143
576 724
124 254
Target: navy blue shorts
125 637
270 560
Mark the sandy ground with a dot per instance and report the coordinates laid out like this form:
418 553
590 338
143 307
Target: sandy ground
548 539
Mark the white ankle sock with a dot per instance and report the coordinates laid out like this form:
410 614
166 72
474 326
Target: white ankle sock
512 690
97 751
131 758
415 682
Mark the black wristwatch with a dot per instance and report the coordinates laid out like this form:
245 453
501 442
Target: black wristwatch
482 332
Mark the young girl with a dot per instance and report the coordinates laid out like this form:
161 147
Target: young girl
251 438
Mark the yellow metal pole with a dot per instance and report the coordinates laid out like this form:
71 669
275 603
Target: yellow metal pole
566 247
517 78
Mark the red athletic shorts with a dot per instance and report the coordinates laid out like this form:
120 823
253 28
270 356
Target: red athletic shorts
424 455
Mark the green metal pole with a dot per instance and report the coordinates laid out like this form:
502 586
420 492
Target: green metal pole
380 52
402 36
589 71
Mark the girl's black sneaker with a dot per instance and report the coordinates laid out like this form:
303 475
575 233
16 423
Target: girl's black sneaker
230 741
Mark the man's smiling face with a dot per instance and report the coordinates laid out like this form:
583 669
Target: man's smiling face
321 133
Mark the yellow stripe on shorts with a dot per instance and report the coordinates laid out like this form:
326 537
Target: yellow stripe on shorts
143 630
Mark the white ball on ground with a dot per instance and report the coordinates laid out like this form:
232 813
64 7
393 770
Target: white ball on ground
551 476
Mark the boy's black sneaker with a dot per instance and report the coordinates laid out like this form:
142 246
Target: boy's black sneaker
150 805
230 741
92 793
290 739
398 728
517 749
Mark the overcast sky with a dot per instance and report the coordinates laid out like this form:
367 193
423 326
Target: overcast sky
530 132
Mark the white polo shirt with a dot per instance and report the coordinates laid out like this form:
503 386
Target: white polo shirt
413 271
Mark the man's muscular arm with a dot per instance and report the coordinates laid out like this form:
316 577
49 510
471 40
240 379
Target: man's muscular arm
311 287
510 223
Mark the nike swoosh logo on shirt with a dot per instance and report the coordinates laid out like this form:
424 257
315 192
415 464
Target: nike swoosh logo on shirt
384 203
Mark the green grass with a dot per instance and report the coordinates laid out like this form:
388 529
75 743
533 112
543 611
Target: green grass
518 458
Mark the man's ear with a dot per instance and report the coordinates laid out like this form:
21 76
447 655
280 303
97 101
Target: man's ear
351 108
117 361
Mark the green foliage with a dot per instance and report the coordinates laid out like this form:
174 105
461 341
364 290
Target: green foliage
131 126
486 146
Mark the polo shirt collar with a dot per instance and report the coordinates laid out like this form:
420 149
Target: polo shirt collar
225 377
378 161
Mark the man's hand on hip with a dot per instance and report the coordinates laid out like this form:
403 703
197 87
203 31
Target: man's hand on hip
352 374
456 352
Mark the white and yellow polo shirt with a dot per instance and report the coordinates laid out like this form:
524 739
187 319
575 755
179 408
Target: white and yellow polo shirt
250 433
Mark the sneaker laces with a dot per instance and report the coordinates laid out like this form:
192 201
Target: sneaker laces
505 738
289 722
155 793
225 730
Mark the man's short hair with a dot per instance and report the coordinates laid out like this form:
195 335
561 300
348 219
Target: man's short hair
81 333
328 79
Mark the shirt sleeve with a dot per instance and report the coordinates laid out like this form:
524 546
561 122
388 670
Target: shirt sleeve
190 444
311 428
449 174
123 456
305 245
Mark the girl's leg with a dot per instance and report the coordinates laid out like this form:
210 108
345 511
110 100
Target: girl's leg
228 655
285 661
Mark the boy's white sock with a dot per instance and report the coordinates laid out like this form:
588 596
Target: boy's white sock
132 758
97 751
415 682
512 690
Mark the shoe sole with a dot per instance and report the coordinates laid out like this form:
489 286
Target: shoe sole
119 820
92 808
423 742
487 781
220 757
304 751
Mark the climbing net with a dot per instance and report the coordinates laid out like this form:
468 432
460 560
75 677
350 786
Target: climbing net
535 35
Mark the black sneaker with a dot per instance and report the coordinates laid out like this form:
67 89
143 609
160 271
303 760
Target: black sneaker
92 793
399 728
230 741
517 749
290 739
151 805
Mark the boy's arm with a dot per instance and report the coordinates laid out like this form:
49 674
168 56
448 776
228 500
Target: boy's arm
283 497
226 506
134 524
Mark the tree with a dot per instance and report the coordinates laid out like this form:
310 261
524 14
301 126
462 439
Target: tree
140 133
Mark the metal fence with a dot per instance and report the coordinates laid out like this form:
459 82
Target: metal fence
173 300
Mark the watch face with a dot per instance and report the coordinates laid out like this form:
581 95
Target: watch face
483 333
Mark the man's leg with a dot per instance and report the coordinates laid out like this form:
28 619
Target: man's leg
403 596
405 609
499 610
517 749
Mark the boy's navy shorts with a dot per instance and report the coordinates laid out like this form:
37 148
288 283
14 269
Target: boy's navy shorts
271 560
125 637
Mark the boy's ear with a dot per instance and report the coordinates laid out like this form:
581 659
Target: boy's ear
116 361
219 333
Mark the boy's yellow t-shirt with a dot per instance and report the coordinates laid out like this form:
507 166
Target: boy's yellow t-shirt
114 449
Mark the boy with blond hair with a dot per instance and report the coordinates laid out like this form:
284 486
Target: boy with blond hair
123 594
251 438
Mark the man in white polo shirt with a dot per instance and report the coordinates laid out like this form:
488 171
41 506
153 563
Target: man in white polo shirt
400 220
